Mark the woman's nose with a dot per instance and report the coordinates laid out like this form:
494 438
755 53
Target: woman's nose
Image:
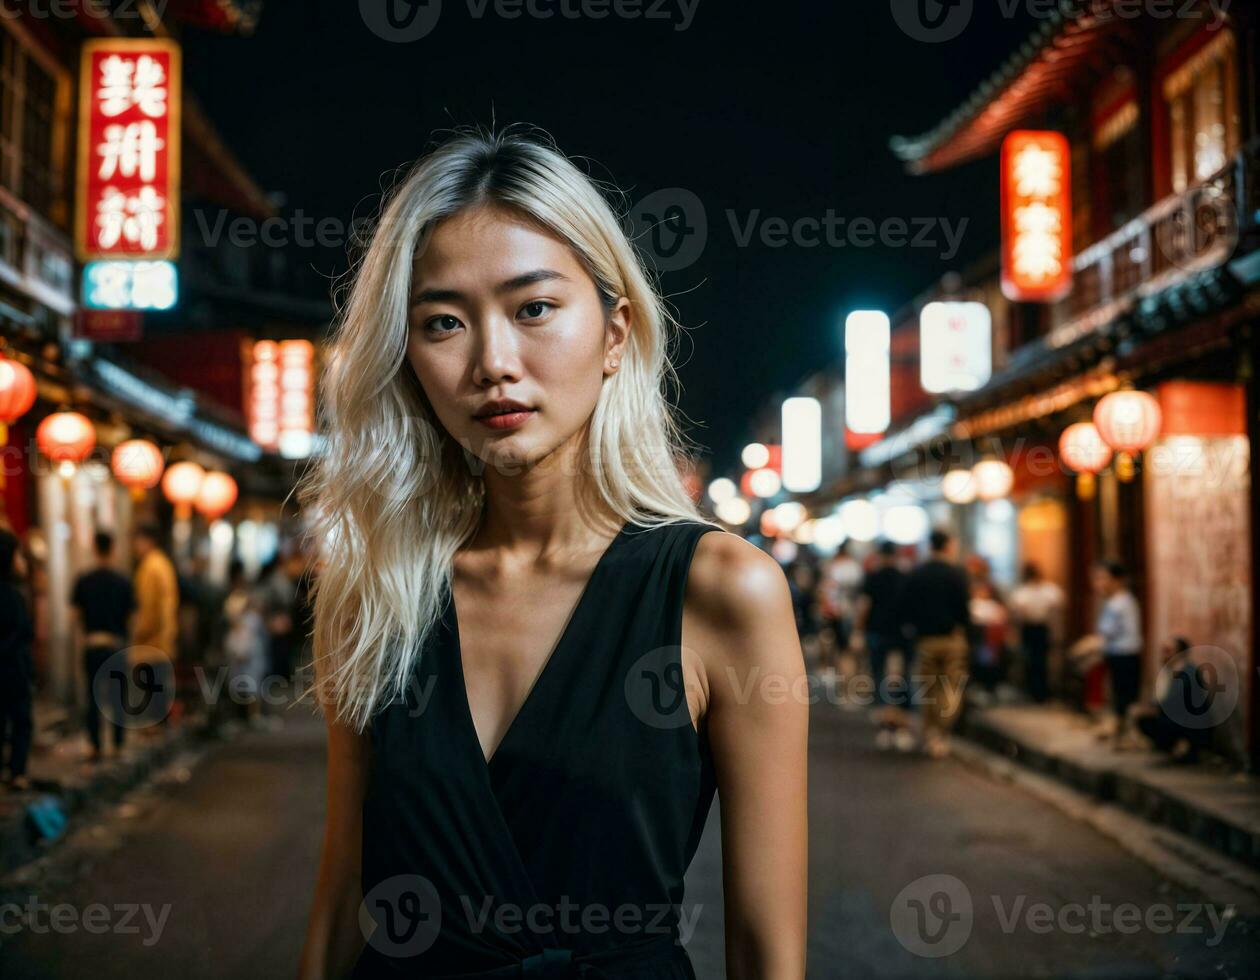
496 355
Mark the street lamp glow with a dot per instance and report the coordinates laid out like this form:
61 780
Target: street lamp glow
906 524
754 456
789 515
802 444
994 479
734 511
722 489
959 486
829 533
765 483
861 519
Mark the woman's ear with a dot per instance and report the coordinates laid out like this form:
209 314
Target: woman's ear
616 335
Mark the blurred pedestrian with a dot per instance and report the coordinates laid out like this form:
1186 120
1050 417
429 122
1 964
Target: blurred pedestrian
990 622
1164 721
245 643
17 668
837 588
1036 606
103 600
1119 628
803 584
156 632
279 595
877 628
935 607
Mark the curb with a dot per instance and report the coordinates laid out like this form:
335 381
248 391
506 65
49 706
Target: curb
1131 789
19 843
1180 859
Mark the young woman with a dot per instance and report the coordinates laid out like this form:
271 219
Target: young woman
536 661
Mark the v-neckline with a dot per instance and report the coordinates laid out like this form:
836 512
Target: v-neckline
556 649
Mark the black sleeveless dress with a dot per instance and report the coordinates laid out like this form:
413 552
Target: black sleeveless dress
564 855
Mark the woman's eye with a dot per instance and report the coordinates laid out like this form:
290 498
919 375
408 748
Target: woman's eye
442 324
536 310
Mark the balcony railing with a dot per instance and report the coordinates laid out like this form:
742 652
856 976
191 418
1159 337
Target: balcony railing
1183 234
35 256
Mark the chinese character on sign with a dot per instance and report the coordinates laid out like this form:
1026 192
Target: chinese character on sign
129 150
1036 217
132 82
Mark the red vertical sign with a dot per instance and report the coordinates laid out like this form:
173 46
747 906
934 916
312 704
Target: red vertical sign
129 150
1036 216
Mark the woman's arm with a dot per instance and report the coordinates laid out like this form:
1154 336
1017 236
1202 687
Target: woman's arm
739 619
333 936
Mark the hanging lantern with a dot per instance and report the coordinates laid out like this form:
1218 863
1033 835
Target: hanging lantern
1129 421
1085 453
216 495
181 484
138 465
66 438
959 486
17 394
994 479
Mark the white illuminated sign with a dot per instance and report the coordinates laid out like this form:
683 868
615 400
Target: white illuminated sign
802 444
124 284
867 335
955 347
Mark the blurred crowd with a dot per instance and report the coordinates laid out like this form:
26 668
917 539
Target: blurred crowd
929 635
155 644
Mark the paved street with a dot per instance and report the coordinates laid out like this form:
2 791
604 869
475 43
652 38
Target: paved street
233 852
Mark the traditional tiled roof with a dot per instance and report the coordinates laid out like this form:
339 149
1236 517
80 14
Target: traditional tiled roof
1042 67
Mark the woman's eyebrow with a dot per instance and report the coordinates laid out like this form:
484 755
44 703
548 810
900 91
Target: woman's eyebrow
530 279
507 286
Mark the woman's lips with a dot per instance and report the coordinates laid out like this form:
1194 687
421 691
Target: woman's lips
510 420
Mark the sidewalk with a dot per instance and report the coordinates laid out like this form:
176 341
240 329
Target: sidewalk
1213 805
58 769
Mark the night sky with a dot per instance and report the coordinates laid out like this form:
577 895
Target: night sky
779 108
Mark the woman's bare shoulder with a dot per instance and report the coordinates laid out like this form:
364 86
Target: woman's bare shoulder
738 595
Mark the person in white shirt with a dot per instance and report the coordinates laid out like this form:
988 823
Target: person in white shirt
1037 604
1119 629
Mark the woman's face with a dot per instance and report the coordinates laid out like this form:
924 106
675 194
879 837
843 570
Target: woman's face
502 310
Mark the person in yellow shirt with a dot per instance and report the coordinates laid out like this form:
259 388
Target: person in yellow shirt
155 629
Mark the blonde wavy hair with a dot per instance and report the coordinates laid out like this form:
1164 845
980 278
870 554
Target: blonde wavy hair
391 496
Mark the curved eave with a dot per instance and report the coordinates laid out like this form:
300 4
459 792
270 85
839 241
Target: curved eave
1040 71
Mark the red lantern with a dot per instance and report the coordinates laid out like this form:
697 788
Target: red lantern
216 496
181 484
1129 421
17 393
138 464
66 437
1086 453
